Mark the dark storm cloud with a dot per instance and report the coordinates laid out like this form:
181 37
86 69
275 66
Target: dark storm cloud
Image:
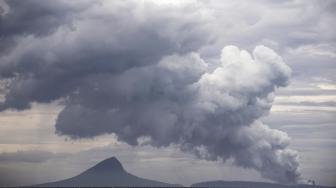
133 69
34 17
49 68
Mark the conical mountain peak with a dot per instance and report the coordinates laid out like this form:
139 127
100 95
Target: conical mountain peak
111 164
107 173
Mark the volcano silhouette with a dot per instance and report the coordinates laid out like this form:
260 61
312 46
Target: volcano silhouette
107 173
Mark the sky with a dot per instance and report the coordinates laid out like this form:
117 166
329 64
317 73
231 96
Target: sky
196 90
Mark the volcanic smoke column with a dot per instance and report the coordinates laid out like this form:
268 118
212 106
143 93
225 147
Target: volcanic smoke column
211 113
229 102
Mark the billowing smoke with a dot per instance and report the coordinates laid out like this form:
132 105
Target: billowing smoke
135 71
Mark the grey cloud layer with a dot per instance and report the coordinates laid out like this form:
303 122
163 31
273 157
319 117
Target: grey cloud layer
135 70
32 156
